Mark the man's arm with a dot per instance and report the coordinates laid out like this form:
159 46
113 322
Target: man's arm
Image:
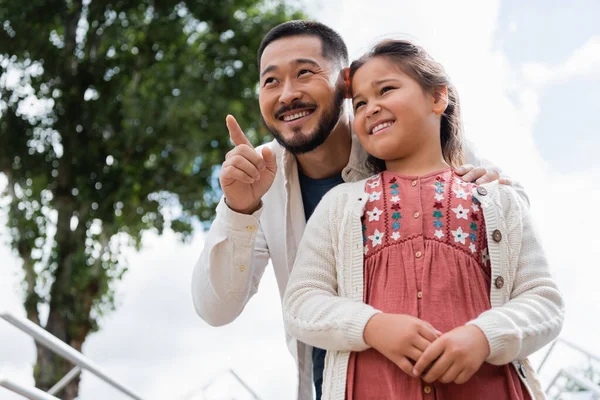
235 251
230 267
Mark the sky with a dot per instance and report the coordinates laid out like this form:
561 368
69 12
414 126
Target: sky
526 73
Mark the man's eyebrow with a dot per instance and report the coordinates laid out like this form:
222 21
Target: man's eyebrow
297 61
306 61
267 70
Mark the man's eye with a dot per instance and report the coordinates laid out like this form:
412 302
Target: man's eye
304 71
268 80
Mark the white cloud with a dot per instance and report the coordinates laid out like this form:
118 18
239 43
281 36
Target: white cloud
583 62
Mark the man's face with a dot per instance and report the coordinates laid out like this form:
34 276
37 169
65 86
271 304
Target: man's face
300 95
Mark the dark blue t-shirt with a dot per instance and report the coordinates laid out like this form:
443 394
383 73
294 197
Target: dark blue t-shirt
313 191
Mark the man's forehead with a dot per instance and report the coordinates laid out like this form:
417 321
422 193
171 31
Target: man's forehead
287 50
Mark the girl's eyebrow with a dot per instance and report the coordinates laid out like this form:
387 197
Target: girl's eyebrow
377 83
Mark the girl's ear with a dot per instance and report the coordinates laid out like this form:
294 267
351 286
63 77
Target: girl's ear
440 99
345 76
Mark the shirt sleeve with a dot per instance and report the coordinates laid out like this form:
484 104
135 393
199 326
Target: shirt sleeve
230 266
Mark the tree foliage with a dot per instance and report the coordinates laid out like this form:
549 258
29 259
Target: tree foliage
112 124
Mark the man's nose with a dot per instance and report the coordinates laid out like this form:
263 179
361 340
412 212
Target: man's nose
289 94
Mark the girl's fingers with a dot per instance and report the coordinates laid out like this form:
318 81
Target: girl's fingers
439 368
428 332
414 354
421 343
451 374
405 365
464 376
434 351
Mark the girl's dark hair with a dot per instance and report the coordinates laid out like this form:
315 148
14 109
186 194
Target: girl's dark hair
416 63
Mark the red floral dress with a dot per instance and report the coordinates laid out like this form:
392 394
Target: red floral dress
425 255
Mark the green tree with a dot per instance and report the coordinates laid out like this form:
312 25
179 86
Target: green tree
111 124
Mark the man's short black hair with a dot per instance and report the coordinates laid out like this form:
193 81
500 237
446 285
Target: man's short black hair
332 44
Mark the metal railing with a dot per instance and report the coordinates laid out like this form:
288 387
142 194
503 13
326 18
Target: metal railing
585 379
29 392
81 362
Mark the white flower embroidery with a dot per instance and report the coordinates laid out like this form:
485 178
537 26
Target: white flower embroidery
461 213
439 234
396 235
484 256
376 238
395 199
459 235
475 207
461 182
373 184
374 196
472 248
374 215
439 197
460 193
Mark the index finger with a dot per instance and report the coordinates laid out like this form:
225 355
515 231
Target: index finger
428 356
235 132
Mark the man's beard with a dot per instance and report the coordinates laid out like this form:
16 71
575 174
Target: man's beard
303 143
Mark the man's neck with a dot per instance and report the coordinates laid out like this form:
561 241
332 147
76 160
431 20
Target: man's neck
331 157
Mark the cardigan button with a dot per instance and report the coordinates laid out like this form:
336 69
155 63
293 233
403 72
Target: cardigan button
497 236
482 191
499 282
427 389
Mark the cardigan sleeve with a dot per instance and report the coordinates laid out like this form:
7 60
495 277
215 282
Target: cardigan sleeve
314 312
534 313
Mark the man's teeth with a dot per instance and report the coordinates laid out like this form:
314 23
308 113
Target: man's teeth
381 126
292 117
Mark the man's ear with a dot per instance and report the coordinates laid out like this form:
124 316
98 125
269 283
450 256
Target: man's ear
440 99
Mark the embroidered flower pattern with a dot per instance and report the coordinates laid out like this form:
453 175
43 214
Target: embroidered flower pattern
437 214
374 214
376 238
456 220
461 213
460 193
459 235
374 196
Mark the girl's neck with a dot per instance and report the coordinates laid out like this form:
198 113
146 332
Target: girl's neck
417 165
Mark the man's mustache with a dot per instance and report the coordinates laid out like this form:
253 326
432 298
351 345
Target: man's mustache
294 106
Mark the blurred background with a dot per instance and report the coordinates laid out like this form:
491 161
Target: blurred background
112 128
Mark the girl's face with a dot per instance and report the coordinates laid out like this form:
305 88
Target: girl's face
394 117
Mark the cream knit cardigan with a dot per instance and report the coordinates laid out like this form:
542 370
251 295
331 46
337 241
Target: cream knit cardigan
323 302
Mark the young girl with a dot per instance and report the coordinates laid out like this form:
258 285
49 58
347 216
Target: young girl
419 285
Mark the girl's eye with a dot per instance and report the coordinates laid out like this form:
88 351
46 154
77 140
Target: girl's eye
387 89
358 105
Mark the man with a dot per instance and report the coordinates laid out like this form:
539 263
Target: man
269 193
